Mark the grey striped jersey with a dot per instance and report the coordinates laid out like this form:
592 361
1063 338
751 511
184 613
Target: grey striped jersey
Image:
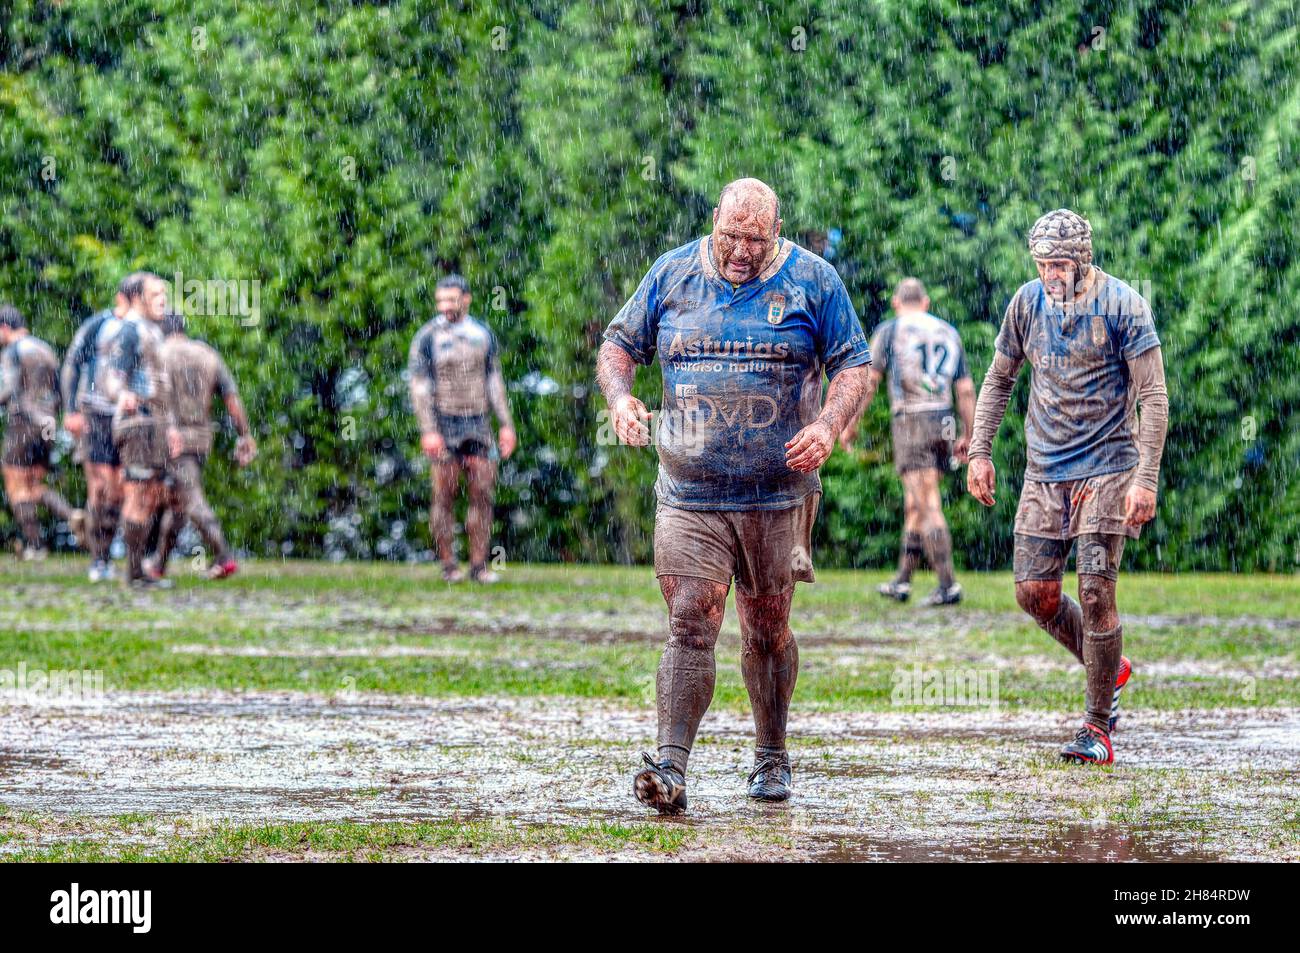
921 356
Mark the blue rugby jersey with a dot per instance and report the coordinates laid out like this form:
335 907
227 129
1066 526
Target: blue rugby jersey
742 370
1082 409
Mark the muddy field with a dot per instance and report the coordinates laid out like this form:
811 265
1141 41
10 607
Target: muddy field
371 719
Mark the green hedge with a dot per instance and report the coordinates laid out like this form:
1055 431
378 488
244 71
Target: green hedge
345 155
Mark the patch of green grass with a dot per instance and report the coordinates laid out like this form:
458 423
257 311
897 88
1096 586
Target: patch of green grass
357 841
596 631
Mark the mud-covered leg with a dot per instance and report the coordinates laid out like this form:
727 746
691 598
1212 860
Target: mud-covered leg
769 661
683 686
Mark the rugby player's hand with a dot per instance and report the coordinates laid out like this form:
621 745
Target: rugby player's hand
432 444
508 441
174 443
629 416
961 449
980 480
810 447
1139 505
74 424
245 450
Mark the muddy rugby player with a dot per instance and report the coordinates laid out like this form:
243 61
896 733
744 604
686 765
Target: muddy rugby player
88 416
136 383
455 378
1092 470
744 323
29 395
926 364
195 374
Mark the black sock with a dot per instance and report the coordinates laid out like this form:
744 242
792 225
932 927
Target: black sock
136 536
684 690
910 555
938 550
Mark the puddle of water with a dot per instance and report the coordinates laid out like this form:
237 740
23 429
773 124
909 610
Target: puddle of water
891 785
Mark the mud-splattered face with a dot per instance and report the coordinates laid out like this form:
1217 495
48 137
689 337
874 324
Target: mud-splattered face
1059 275
745 229
452 303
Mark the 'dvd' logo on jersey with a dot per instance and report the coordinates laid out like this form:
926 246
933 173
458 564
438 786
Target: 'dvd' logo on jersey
775 308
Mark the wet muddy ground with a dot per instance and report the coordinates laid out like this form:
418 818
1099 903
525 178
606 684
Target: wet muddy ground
869 786
304 711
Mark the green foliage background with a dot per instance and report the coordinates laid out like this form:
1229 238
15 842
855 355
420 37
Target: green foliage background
346 154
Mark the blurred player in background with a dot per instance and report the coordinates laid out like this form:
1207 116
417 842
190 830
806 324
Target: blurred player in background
926 365
136 382
196 373
455 379
89 418
29 394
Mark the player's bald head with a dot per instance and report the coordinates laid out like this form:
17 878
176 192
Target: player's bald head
749 199
910 291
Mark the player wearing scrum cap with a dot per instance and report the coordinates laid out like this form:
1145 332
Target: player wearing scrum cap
926 364
1092 470
29 394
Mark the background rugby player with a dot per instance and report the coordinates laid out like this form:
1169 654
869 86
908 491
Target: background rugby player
29 394
136 382
195 373
89 418
926 363
455 377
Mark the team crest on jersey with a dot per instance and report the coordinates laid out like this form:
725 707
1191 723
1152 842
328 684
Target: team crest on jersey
775 308
1098 331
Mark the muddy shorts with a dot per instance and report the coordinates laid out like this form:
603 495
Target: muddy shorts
468 436
143 448
97 440
1075 507
24 444
920 442
1098 554
765 551
185 473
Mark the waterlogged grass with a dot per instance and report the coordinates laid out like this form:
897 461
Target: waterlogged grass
595 632
144 839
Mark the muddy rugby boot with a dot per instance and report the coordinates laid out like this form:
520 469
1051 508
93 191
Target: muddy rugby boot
944 597
1090 746
899 591
770 779
661 786
222 570
452 573
1125 671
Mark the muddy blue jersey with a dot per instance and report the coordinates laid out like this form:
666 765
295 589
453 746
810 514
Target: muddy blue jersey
1082 409
742 370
